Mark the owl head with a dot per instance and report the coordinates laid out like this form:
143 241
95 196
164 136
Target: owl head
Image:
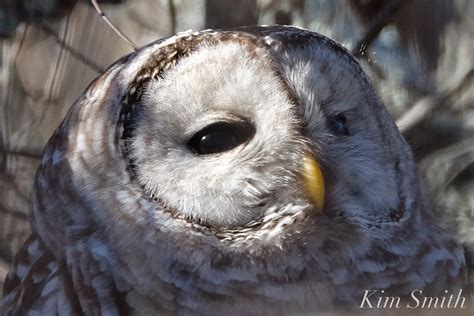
225 137
254 167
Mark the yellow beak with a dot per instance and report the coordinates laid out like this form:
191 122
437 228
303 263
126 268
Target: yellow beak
313 180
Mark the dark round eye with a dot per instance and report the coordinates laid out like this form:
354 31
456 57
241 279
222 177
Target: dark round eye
220 137
337 124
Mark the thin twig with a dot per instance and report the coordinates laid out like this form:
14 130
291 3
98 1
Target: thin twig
112 26
418 112
10 181
71 50
172 9
378 23
12 213
444 165
22 153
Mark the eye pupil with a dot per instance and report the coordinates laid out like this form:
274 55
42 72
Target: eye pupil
220 137
217 142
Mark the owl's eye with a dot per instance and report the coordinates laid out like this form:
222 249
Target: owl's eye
337 124
220 137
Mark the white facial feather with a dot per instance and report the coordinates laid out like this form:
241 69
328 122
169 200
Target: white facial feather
219 83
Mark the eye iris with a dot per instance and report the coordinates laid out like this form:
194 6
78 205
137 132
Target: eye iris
220 137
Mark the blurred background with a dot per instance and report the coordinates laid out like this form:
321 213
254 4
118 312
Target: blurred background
418 53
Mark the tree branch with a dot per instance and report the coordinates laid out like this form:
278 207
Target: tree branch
112 26
378 23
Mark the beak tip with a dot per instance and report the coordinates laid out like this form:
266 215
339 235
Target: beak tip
314 181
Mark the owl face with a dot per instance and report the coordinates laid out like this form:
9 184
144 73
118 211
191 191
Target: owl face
218 140
221 137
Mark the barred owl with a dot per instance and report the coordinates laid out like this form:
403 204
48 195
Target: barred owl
244 171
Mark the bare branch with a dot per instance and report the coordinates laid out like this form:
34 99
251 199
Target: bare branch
378 23
71 50
10 181
172 9
112 26
12 213
442 167
23 153
418 112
